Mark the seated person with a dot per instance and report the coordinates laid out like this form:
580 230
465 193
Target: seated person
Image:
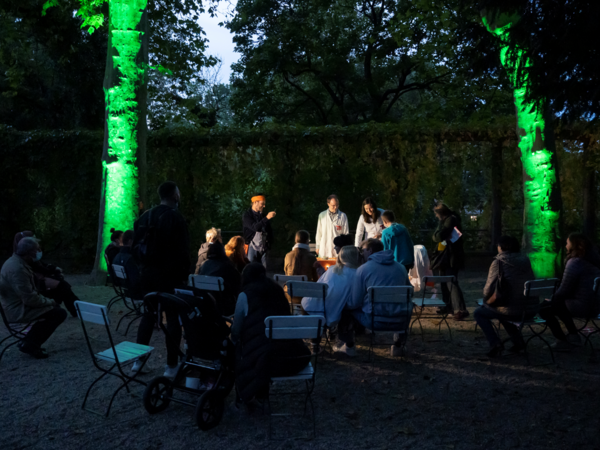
300 261
116 240
575 297
132 272
379 270
23 304
212 235
49 279
516 270
339 242
236 252
395 237
339 279
219 265
256 359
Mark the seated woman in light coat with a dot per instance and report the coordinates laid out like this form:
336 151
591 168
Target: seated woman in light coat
339 279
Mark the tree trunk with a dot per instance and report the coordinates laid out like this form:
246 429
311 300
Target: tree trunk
589 196
541 188
497 175
125 129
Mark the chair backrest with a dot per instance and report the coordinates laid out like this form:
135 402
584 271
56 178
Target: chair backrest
91 312
206 283
312 247
294 327
307 289
282 279
545 287
119 272
390 294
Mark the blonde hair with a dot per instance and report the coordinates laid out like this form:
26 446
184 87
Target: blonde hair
213 234
348 256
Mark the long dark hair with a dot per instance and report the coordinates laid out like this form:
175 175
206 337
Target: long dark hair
582 248
376 213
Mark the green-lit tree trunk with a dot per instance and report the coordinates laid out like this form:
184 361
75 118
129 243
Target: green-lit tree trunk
541 189
125 130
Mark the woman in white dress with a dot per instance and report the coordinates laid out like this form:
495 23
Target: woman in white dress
370 225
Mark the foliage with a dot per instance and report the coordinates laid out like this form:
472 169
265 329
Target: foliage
406 168
561 40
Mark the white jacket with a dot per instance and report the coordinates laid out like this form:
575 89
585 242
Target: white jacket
421 267
339 292
327 230
371 229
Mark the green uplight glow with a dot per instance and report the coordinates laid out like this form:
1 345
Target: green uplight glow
121 191
541 222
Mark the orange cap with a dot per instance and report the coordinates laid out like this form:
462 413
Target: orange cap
258 198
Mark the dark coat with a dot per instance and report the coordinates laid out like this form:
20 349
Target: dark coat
202 256
169 264
253 223
516 270
257 359
219 265
576 288
443 233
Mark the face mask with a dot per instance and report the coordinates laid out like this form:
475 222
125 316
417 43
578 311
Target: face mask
38 256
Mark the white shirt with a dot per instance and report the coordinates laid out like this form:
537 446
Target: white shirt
327 230
371 229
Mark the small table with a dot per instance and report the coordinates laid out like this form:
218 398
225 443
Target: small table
326 263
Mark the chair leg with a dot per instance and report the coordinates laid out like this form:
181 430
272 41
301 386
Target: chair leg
127 329
8 346
92 385
121 320
539 336
112 302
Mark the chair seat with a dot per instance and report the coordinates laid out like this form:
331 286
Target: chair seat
428 302
305 374
126 352
533 321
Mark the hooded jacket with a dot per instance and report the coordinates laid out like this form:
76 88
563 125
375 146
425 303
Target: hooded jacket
396 238
577 288
219 265
339 293
202 256
516 270
379 270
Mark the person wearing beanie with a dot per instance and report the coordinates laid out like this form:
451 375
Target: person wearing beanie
257 230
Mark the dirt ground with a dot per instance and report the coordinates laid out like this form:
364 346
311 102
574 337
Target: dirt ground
443 395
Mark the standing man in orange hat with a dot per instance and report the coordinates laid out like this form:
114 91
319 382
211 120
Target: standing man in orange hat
257 230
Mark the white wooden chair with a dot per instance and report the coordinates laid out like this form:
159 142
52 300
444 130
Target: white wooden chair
432 302
282 279
116 356
306 289
135 306
115 284
392 296
206 283
296 327
16 331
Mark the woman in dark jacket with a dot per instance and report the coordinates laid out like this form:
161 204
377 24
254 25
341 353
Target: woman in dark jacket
49 279
451 262
516 270
257 360
575 297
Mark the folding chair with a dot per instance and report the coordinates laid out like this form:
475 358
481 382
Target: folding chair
206 283
119 295
421 303
593 319
116 356
16 331
296 327
281 280
390 295
308 289
135 306
543 288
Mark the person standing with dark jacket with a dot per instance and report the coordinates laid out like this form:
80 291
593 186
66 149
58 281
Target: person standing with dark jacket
257 230
451 259
516 271
219 265
257 359
162 246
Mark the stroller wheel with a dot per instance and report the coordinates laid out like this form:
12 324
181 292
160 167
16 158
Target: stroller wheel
157 395
209 410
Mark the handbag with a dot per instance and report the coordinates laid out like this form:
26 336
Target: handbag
501 295
440 259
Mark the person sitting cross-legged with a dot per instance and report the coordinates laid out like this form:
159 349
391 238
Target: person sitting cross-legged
380 269
512 304
23 304
339 279
575 297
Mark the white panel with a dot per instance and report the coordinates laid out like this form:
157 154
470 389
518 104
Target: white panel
91 312
307 289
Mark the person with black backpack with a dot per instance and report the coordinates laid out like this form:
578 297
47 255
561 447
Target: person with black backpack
161 245
504 298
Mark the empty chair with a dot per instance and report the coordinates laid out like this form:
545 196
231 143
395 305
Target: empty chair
422 302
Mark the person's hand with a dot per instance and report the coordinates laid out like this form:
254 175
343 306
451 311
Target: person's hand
378 236
271 215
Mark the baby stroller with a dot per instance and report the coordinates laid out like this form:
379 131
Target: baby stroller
209 360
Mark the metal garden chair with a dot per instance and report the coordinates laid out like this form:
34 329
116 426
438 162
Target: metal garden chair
16 331
133 305
430 302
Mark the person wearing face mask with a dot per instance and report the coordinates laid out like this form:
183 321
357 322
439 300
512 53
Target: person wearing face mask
161 246
258 233
21 301
49 279
331 223
370 224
